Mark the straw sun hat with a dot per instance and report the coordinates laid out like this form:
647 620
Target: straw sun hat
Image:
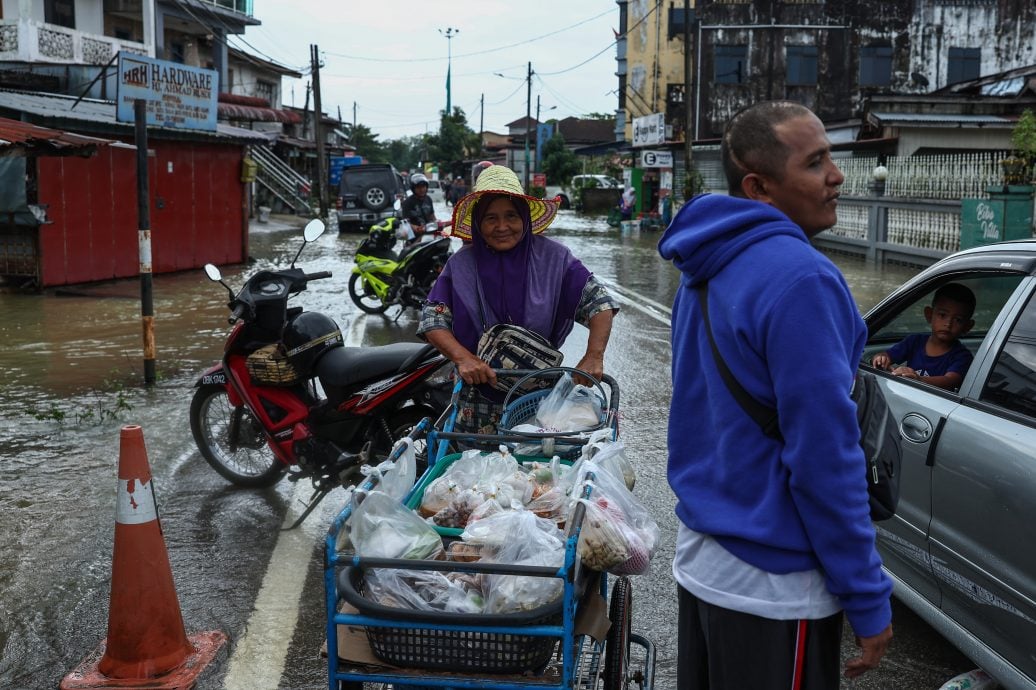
497 179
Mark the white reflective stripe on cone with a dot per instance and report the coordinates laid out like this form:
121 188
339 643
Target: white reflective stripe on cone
136 503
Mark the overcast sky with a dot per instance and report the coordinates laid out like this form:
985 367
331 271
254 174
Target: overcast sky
389 57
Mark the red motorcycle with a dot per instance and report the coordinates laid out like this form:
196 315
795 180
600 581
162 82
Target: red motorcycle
289 398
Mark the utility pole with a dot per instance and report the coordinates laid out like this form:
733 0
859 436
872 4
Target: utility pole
354 116
688 140
318 133
528 122
481 123
449 33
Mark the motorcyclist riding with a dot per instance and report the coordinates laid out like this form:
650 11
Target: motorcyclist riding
417 208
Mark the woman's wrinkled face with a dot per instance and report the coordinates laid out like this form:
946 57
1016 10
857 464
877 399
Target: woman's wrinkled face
501 226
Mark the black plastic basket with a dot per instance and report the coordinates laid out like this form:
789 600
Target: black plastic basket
435 648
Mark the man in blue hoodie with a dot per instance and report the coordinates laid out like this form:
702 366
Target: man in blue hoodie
775 539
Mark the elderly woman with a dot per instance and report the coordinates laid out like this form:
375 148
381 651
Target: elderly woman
510 273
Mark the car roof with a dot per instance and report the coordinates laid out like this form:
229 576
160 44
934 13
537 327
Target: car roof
1012 255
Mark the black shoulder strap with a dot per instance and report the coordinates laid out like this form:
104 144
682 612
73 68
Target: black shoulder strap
765 417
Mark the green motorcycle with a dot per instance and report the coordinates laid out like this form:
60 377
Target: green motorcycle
383 278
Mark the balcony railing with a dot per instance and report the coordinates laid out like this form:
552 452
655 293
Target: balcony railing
240 6
27 40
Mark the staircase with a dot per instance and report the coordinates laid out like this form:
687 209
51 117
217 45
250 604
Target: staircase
283 182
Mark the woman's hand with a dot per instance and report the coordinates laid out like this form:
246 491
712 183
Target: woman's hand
592 364
473 371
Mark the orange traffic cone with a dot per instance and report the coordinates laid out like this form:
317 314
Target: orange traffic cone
146 645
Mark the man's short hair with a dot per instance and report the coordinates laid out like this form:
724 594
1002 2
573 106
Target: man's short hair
955 292
750 142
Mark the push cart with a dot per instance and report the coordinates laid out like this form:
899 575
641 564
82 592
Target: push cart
581 641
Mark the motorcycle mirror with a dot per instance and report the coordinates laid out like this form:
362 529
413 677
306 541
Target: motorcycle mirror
212 272
398 205
313 229
214 275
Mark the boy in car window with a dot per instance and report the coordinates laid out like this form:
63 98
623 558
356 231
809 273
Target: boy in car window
939 358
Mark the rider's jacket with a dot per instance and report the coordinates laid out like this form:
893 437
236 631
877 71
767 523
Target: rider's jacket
418 210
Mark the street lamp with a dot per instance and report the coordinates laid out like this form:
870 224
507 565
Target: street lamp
449 33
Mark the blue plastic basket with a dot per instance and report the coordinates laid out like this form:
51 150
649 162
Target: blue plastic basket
523 411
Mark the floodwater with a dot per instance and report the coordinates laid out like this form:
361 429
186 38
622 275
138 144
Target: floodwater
72 375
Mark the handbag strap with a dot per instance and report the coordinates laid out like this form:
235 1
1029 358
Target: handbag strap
764 416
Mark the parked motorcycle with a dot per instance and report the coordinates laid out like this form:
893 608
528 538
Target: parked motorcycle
260 414
382 278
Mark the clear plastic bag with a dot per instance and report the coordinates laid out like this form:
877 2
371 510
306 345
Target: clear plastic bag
397 478
527 540
618 533
423 590
382 527
610 455
569 407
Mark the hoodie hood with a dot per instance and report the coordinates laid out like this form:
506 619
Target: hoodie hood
711 229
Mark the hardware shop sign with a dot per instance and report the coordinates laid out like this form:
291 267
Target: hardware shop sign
176 95
656 159
649 129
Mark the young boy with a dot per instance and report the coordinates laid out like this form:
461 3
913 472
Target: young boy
938 359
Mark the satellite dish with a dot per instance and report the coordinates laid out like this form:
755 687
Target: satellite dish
919 79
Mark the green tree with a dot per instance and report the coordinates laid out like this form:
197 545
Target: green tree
454 143
366 143
405 153
559 163
1023 136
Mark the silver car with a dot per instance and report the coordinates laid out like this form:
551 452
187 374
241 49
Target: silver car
962 546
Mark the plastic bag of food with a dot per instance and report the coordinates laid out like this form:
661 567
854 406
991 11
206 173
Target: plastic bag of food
422 590
618 534
527 540
569 407
382 527
397 478
457 513
611 455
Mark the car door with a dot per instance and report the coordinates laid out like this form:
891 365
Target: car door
922 412
983 479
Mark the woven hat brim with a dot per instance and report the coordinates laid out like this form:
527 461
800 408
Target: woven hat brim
541 211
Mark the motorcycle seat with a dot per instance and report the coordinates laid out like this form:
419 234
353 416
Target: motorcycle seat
343 367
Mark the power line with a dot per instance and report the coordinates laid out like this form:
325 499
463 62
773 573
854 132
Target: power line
479 52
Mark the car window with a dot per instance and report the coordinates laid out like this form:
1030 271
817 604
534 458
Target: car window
991 294
1012 382
354 180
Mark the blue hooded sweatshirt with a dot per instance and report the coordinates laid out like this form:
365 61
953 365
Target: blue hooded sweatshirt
787 325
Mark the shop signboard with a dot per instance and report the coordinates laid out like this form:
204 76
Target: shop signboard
649 130
175 95
656 159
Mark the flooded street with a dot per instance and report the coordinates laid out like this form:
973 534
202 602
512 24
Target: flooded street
72 365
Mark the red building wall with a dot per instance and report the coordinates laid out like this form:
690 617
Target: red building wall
197 211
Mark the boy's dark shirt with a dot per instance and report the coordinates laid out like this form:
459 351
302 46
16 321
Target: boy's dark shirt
911 350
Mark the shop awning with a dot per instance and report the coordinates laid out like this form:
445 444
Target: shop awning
251 113
46 141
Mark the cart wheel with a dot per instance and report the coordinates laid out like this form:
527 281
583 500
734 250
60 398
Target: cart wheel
617 646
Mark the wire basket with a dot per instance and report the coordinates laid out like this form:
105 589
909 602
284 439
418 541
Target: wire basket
268 366
432 647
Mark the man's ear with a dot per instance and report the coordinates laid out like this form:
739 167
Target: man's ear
754 186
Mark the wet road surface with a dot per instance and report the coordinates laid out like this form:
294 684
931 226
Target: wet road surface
72 371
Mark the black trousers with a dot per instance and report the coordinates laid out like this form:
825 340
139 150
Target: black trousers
720 649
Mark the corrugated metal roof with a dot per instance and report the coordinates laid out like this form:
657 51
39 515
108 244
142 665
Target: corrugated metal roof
14 133
58 108
943 120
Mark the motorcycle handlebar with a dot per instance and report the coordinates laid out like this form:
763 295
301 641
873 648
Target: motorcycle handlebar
319 275
236 313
